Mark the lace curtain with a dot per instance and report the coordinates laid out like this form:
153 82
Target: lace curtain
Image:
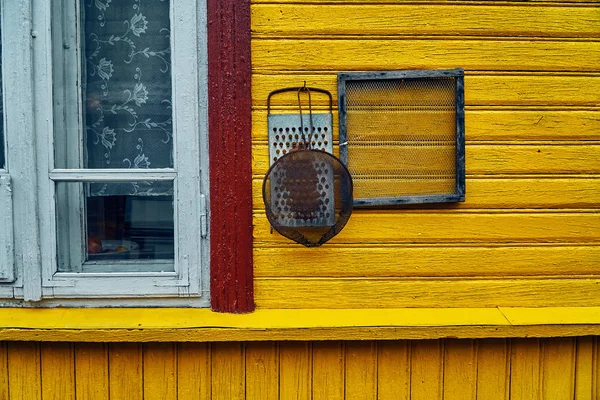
127 90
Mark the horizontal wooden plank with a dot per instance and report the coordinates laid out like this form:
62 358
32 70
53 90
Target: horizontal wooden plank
424 19
509 193
457 2
491 159
387 332
426 261
392 293
389 227
390 54
480 89
497 125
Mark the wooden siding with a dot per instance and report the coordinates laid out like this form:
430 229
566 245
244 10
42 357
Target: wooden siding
529 231
499 369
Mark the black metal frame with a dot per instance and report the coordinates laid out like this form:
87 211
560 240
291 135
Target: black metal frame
460 186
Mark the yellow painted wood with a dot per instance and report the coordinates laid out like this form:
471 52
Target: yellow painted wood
228 375
584 369
393 293
262 371
558 368
58 371
24 375
439 19
460 370
391 54
3 371
126 371
525 373
498 124
91 371
193 371
424 369
426 380
507 193
382 228
328 365
393 370
596 382
460 2
493 369
361 370
488 159
295 374
432 261
160 367
481 89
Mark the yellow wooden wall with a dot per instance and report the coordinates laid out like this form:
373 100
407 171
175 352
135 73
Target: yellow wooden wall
529 231
517 369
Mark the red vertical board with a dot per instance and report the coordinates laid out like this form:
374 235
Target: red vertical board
230 153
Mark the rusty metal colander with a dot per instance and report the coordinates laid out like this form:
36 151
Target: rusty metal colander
307 192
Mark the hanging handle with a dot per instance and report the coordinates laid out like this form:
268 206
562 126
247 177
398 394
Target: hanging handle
301 88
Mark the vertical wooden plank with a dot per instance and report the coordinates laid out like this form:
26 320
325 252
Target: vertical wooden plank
493 369
328 371
58 371
125 371
91 371
193 371
558 368
584 368
295 370
230 155
427 366
361 370
3 371
393 370
525 369
227 365
460 370
159 371
596 366
24 375
262 371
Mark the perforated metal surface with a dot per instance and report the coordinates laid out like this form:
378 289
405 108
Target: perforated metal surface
308 196
399 137
285 133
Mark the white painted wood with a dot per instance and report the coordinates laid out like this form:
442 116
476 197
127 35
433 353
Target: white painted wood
7 257
68 129
18 32
112 175
202 112
189 130
39 62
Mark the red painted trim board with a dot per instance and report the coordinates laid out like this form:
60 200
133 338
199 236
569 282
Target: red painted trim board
230 156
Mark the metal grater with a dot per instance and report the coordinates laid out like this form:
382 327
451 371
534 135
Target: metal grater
290 132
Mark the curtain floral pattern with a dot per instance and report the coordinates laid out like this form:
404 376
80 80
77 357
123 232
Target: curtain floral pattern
127 90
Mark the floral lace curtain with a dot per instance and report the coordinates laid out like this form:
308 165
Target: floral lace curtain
127 90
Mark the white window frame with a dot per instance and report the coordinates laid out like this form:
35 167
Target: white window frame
38 278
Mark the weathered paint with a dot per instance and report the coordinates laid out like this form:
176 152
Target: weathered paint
229 74
499 369
528 232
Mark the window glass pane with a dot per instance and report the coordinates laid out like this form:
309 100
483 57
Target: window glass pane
127 84
2 156
115 233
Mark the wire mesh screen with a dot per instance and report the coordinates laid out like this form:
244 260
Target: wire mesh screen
399 138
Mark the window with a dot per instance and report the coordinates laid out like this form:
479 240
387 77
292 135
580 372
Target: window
119 169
